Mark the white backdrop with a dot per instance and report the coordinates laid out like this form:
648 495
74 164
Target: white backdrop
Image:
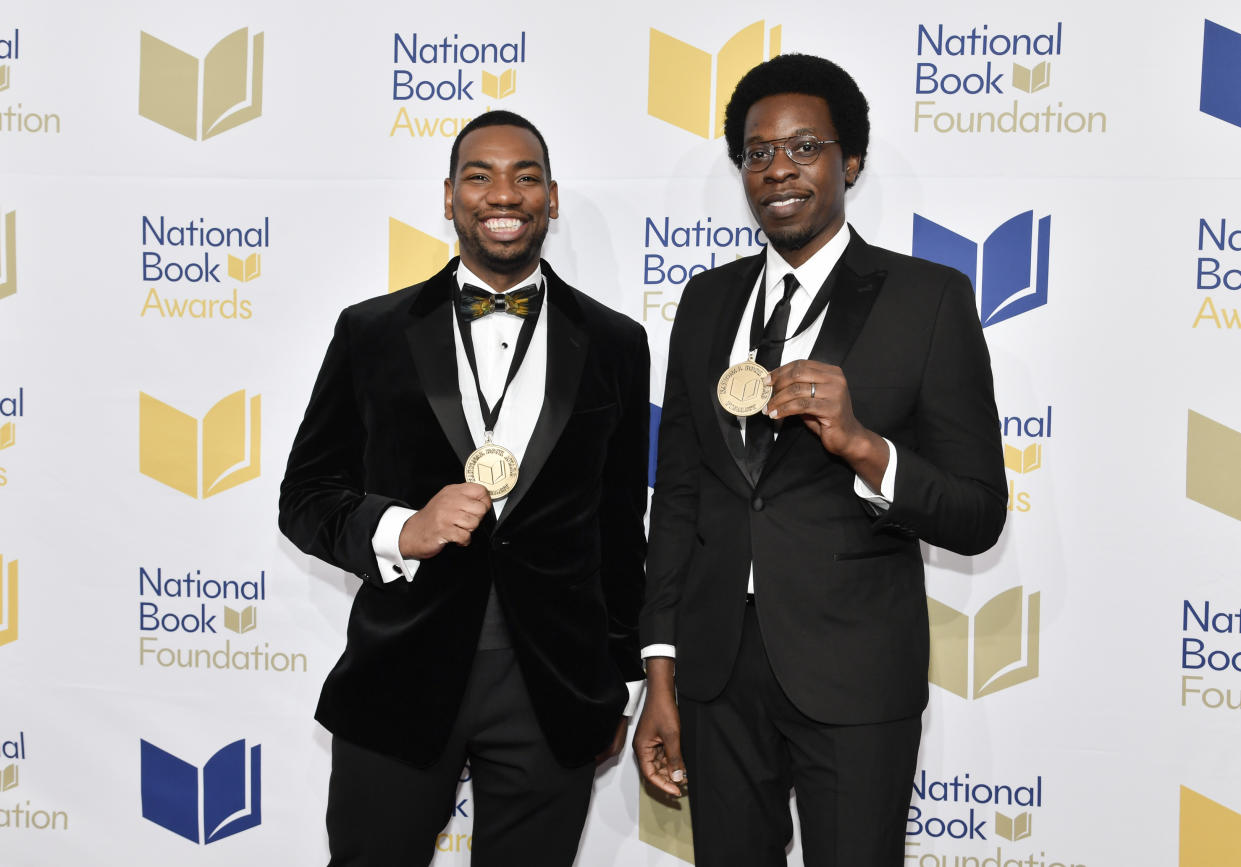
1082 726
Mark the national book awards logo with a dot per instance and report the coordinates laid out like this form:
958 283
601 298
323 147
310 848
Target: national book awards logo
18 813
203 804
1008 270
689 88
441 81
189 265
676 249
1220 94
967 819
8 253
12 408
16 116
188 620
1213 465
1218 278
201 457
972 78
8 601
414 255
201 98
1024 439
996 648
1210 832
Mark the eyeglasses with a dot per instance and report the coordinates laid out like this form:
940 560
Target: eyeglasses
801 149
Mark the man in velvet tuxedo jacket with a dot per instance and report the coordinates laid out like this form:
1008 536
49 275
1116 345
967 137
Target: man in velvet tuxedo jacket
785 595
500 633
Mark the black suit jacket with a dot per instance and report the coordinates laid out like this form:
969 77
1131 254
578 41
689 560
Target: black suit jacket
840 593
385 426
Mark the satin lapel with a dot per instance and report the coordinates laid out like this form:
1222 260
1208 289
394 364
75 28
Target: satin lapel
856 286
567 345
729 321
430 338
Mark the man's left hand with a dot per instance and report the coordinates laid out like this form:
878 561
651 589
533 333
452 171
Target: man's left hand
618 741
819 393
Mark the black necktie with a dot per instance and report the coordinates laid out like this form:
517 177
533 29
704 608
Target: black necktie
759 429
473 302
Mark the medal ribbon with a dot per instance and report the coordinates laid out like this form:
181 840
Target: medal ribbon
492 414
817 304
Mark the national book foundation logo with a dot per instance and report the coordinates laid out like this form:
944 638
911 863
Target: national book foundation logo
207 804
1213 465
997 648
8 253
200 458
8 601
683 88
16 117
413 255
1210 654
1210 832
1009 273
22 814
201 99
1220 95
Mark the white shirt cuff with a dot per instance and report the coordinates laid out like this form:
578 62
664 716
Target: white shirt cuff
386 543
635 696
668 650
882 498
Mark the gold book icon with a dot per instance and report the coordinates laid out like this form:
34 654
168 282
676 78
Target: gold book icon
8 601
243 270
1000 644
240 621
230 92
1210 832
500 86
680 77
8 255
200 458
1014 828
8 434
413 256
1032 80
9 777
1213 465
4 76
1025 460
664 823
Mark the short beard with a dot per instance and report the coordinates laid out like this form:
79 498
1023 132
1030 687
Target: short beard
516 258
791 239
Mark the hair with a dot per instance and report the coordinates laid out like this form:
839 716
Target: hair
496 118
804 74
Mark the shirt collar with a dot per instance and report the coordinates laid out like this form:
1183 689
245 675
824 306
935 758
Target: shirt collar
465 275
813 272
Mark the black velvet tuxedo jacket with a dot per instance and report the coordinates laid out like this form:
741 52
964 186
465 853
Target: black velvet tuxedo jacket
385 426
840 594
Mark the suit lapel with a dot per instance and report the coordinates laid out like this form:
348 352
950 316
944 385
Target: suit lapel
567 345
430 338
856 285
718 361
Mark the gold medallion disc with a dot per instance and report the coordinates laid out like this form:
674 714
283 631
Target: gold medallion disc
741 390
494 467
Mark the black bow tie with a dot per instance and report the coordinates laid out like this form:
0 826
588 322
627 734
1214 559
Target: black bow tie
473 302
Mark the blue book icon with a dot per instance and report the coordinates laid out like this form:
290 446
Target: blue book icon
203 806
1006 289
1221 73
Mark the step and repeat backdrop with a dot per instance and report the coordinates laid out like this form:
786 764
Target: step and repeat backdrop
189 195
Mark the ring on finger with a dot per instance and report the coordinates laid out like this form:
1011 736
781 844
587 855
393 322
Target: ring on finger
812 389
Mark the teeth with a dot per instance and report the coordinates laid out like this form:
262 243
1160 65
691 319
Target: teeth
498 225
783 202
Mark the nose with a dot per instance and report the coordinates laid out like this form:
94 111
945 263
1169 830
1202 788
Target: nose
782 166
503 191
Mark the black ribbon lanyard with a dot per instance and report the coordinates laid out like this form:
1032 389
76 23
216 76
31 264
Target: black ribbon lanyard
817 304
492 414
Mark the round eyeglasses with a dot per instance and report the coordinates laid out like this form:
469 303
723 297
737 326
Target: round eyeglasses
801 149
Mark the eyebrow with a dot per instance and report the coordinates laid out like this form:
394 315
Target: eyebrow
805 130
520 165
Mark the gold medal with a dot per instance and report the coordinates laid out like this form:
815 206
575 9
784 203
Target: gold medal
494 467
741 390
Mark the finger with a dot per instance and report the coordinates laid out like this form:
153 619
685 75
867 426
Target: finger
457 536
477 492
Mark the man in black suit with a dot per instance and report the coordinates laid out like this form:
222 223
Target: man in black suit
494 625
786 609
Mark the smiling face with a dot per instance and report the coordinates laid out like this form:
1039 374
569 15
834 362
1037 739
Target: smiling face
500 202
799 208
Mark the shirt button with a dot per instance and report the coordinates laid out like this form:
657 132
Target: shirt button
757 504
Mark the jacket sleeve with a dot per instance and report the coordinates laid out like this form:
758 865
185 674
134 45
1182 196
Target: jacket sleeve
623 508
950 485
324 508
